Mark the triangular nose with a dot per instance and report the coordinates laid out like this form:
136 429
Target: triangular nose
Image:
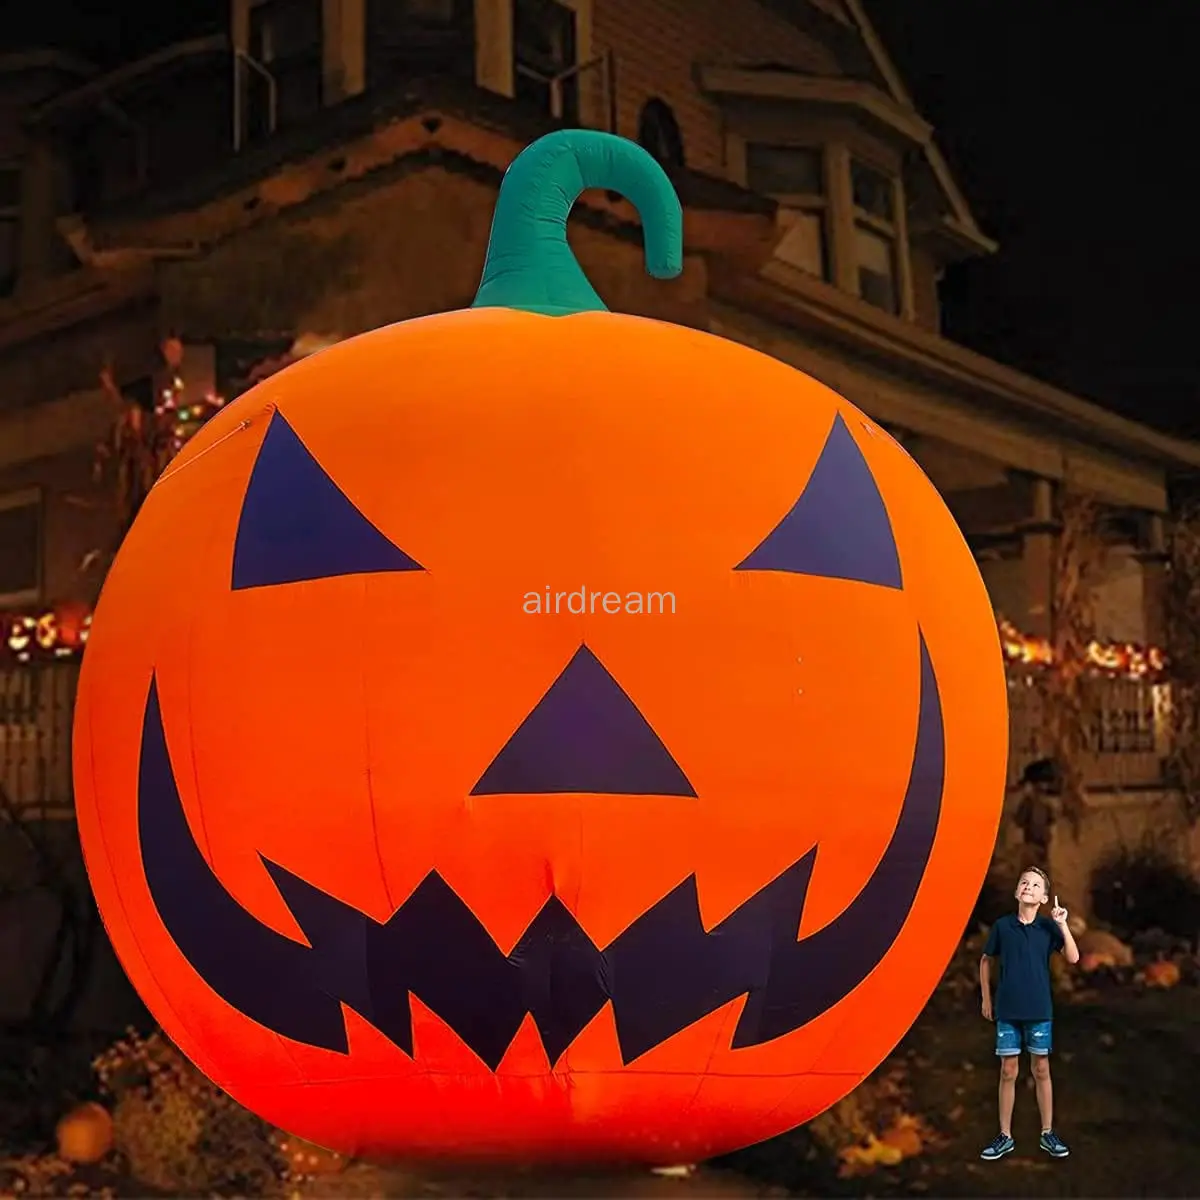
585 735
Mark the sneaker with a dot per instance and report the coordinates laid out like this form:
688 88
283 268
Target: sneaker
1000 1146
1054 1145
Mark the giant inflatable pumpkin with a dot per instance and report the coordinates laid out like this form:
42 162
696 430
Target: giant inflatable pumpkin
533 732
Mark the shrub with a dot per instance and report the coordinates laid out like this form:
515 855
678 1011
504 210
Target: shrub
179 1132
1140 890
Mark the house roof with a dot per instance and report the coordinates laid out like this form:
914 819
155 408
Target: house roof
870 86
896 88
961 219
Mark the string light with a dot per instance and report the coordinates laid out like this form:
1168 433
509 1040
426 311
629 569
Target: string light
54 634
1121 660
182 416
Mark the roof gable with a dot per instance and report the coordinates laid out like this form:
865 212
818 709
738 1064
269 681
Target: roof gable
889 78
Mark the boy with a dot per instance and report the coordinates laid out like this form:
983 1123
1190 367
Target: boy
1023 942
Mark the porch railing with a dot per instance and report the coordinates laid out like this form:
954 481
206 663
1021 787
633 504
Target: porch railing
37 702
1127 734
1127 731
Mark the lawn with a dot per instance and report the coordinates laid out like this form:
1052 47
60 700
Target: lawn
1126 1068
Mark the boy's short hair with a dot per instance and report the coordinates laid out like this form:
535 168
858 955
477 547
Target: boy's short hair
1040 873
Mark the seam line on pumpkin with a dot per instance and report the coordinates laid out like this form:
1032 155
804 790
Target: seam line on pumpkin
223 438
213 537
799 1076
371 805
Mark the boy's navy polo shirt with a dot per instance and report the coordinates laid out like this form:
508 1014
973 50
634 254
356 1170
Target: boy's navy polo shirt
1024 953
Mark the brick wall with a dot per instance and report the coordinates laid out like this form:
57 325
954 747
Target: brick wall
658 42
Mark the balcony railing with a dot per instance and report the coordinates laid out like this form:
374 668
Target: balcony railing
1127 731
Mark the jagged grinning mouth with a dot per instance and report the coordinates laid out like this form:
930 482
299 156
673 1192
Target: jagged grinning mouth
662 974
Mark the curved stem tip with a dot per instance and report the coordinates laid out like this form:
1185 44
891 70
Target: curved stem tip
529 263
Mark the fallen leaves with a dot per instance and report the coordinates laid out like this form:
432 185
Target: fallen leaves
907 1137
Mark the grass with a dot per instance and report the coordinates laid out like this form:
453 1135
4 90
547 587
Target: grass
1125 1069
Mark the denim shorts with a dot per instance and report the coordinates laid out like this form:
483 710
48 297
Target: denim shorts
1014 1036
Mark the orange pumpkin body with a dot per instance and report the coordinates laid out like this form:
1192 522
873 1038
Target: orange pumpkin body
329 739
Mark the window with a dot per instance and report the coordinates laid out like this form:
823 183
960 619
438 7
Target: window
10 210
658 132
794 176
418 37
545 48
285 38
875 236
20 547
784 170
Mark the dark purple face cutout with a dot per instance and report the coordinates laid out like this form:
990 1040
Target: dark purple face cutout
663 973
584 735
839 527
297 524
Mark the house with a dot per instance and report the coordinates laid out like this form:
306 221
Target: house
327 166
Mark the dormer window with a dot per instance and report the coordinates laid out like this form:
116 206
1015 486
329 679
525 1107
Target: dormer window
876 203
795 177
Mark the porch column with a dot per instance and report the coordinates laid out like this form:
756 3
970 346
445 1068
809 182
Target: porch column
1038 534
1152 554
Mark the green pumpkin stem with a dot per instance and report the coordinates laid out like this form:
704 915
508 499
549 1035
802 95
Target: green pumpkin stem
529 263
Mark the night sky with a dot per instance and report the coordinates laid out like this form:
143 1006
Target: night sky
1069 126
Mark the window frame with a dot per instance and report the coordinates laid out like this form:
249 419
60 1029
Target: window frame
30 497
495 54
557 107
812 204
842 216
887 230
299 72
658 116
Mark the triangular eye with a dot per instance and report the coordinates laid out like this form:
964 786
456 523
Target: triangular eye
839 527
297 524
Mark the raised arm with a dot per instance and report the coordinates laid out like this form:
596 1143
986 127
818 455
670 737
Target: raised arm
1069 949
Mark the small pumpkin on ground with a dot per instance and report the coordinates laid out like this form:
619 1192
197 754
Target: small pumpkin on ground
1102 949
1161 974
85 1134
